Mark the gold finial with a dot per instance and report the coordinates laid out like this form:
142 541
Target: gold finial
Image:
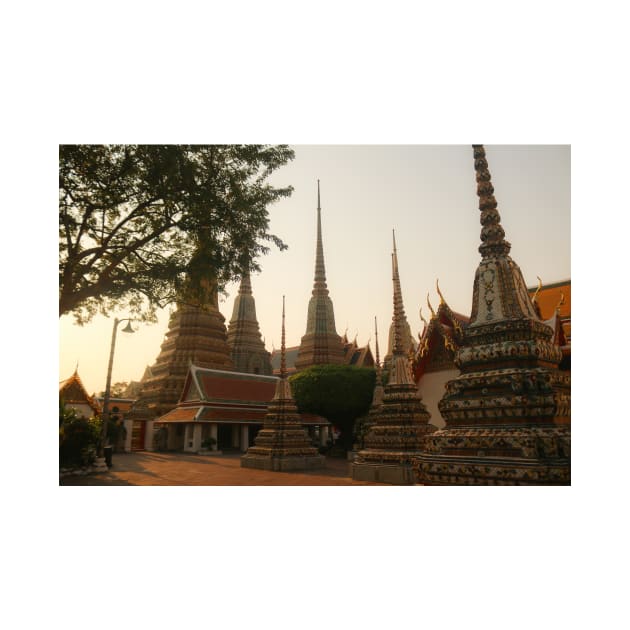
426 323
537 290
430 308
561 302
437 286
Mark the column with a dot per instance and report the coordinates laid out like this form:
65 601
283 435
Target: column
148 436
214 432
323 436
244 437
235 433
128 424
196 437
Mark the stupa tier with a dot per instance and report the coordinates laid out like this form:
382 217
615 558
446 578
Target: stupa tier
244 339
196 334
399 429
282 444
320 344
508 412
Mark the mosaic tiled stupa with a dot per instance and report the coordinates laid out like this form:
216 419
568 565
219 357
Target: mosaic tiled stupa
196 334
508 413
400 427
246 345
320 344
282 444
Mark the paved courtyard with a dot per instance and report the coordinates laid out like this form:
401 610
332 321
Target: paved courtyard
147 468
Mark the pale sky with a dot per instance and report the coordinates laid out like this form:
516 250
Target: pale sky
426 193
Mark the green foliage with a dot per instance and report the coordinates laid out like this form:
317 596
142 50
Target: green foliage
209 442
339 393
78 438
141 225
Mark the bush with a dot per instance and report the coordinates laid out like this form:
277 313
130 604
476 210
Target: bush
208 443
78 442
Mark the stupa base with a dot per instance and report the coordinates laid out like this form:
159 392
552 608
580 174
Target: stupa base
492 456
487 471
396 474
283 464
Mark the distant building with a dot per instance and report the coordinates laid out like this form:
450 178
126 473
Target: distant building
75 396
243 336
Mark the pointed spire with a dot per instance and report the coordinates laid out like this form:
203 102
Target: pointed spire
378 358
493 241
430 307
283 389
399 311
320 269
283 353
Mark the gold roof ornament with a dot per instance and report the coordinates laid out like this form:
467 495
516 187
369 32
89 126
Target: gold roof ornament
561 302
426 323
437 286
537 290
433 315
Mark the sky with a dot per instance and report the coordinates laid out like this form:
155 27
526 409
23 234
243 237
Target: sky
427 194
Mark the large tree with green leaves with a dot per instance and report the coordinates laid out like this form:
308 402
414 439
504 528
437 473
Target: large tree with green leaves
339 393
136 221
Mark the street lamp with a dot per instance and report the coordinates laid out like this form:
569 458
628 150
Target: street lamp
105 414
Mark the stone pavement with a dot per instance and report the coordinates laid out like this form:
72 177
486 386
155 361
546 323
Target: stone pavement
148 468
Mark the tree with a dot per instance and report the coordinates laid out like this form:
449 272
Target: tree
117 390
339 393
136 222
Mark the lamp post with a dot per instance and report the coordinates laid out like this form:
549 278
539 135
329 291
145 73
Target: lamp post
105 414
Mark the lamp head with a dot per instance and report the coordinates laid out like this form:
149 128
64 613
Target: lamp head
128 328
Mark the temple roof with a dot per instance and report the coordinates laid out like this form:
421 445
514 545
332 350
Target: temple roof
222 396
552 297
72 391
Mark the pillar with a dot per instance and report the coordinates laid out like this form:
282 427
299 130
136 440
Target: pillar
214 433
196 437
244 437
128 424
148 436
323 436
235 435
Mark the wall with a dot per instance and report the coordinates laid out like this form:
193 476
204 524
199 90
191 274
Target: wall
431 388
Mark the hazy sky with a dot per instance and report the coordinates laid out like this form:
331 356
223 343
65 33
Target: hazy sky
426 193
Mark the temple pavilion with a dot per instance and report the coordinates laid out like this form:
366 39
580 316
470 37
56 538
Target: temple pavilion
508 412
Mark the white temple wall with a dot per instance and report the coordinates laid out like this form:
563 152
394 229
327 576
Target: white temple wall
431 388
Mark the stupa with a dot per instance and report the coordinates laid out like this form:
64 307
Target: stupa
508 412
407 341
320 344
196 335
243 336
377 397
282 444
400 427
